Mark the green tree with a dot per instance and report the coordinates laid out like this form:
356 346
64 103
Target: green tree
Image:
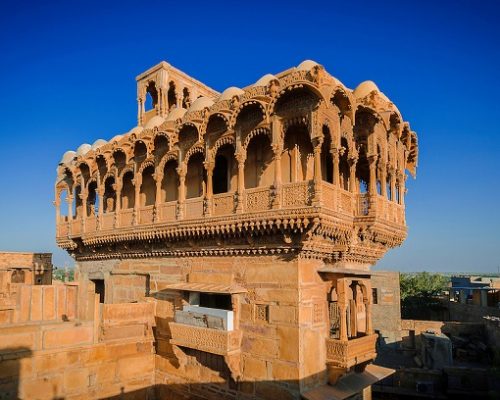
419 294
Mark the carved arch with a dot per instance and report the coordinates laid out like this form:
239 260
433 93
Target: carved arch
256 132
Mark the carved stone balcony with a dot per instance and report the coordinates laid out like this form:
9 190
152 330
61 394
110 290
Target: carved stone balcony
213 341
348 353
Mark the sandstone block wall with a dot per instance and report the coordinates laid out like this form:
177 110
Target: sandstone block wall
386 313
108 354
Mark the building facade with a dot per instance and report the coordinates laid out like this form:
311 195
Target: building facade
250 218
28 268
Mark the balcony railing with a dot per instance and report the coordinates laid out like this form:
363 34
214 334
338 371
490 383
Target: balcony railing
347 353
205 339
290 195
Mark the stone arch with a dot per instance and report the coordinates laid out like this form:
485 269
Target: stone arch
151 96
256 132
170 179
224 178
326 155
293 100
297 161
195 172
140 151
248 116
161 145
127 199
148 184
171 95
109 194
259 166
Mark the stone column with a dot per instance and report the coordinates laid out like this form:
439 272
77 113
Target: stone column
158 180
137 181
343 321
402 188
182 192
393 186
178 98
69 201
317 172
277 150
336 171
118 206
352 175
372 187
240 158
209 167
140 111
383 180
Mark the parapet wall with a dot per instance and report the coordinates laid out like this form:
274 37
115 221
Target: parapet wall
107 352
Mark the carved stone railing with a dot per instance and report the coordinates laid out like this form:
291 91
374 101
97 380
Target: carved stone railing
204 339
329 195
90 224
223 204
76 226
194 208
168 211
63 228
126 217
363 204
146 215
346 201
347 353
108 221
257 199
296 194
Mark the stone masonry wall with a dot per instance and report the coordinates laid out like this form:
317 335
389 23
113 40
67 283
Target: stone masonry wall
282 319
109 353
386 313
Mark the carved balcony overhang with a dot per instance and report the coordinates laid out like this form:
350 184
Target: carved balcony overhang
215 341
348 353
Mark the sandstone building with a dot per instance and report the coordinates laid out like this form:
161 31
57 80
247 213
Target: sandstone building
249 220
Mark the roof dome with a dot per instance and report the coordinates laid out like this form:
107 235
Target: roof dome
364 89
117 138
135 129
200 103
263 81
83 149
230 92
98 143
176 113
306 65
155 121
67 157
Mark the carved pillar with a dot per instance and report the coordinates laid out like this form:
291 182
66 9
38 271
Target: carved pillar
118 207
240 158
69 200
57 204
158 179
372 187
137 181
178 98
277 150
402 188
317 178
393 185
343 321
100 209
209 167
336 171
383 180
182 192
140 111
352 175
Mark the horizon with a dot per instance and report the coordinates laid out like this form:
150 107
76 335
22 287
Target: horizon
69 78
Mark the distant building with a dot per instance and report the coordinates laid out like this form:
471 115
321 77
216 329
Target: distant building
386 309
29 268
478 290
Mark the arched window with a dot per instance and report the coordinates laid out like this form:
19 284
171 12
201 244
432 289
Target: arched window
151 97
259 168
171 95
344 168
109 195
128 191
170 182
140 152
77 202
120 160
225 172
186 101
195 176
389 188
92 200
362 171
326 156
297 160
102 166
160 146
148 187
63 208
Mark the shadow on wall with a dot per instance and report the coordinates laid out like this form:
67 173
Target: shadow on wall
14 361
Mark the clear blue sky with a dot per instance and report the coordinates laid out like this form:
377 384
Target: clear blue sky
67 72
